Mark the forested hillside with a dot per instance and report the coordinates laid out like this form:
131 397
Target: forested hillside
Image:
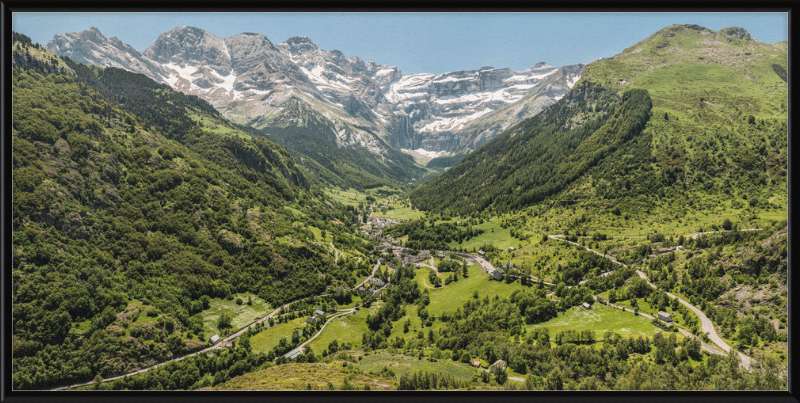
129 210
542 155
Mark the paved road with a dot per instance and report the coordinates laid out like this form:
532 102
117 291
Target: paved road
695 236
335 251
374 269
300 347
485 265
703 345
221 342
515 378
706 325
561 238
705 322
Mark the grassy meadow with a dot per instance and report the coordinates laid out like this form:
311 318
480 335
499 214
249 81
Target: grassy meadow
242 314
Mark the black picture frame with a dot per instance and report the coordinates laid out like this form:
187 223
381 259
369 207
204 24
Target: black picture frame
7 8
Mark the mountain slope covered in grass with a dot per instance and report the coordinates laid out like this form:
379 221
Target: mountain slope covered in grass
717 129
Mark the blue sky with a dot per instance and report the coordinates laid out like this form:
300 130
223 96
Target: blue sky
419 42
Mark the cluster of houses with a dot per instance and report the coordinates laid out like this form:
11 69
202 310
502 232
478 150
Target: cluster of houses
368 291
382 222
374 231
401 253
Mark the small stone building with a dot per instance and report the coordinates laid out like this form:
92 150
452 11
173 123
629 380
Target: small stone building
498 274
664 316
499 364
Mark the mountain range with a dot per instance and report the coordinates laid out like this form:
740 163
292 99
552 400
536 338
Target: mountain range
286 88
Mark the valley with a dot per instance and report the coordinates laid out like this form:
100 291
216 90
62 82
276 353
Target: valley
228 213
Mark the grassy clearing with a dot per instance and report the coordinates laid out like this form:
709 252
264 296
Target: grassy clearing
215 126
242 314
599 319
493 234
266 340
398 212
401 364
345 330
348 197
298 376
455 294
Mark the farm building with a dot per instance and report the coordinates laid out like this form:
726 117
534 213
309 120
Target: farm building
666 317
475 363
499 364
214 339
498 274
294 353
586 306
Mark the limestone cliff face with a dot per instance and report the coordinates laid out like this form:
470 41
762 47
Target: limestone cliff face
250 80
91 47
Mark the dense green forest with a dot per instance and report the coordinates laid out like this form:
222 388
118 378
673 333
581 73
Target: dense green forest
424 235
540 156
121 224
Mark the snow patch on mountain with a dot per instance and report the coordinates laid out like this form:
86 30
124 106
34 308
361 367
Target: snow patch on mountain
432 154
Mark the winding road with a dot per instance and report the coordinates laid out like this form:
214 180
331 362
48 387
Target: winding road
300 347
706 324
487 267
229 338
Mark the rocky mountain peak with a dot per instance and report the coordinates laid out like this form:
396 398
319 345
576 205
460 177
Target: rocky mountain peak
300 45
92 47
735 32
190 45
94 32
